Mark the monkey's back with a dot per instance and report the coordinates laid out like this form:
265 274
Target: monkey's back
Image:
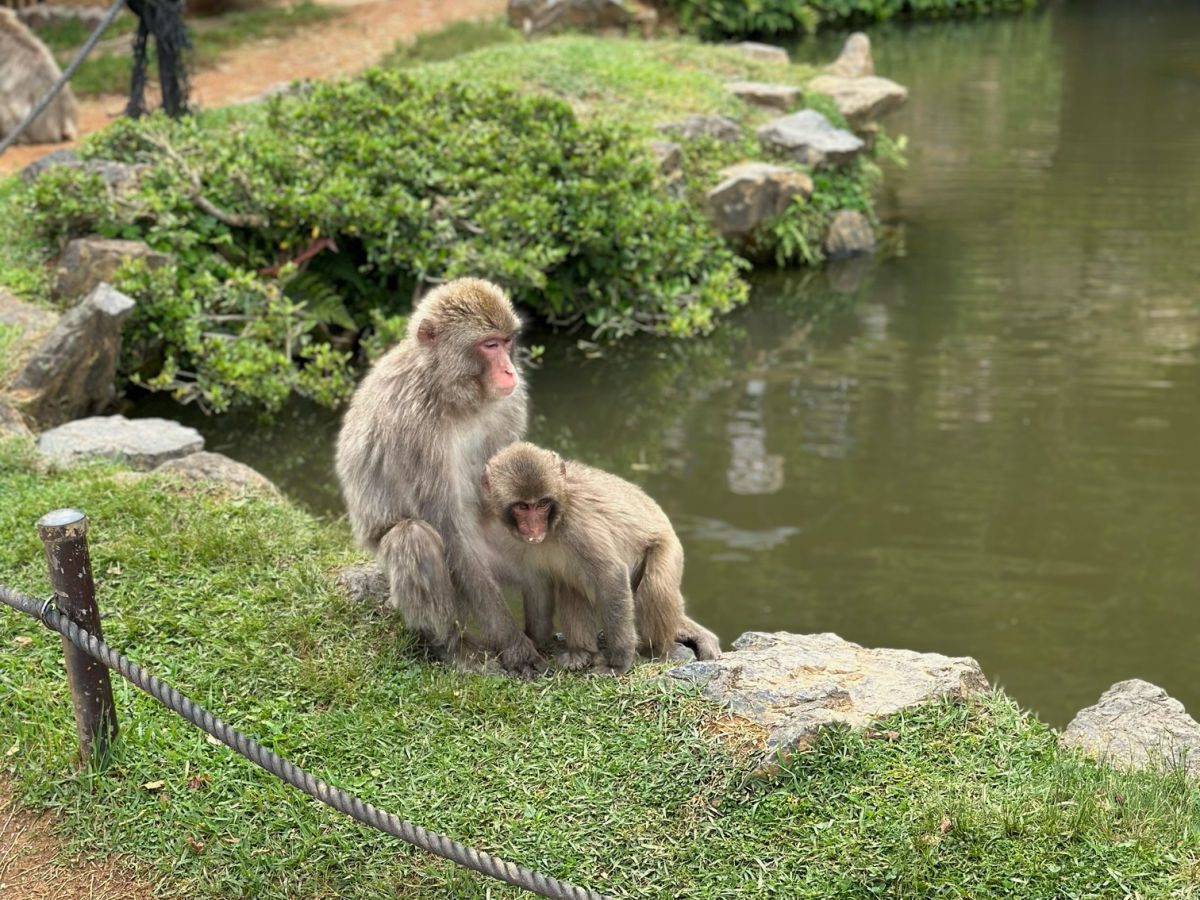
609 508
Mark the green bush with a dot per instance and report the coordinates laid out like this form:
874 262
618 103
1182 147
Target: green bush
723 18
308 222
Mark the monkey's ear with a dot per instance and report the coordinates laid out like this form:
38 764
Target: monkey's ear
427 331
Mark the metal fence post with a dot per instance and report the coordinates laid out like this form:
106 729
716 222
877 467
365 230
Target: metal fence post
64 532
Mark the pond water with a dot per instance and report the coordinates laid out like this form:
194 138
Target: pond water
991 445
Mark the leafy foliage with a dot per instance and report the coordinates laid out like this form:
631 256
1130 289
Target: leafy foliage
719 18
296 227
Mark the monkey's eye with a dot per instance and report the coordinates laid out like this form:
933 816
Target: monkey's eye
543 503
521 507
491 345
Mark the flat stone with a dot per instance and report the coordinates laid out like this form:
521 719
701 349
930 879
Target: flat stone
364 583
762 52
860 100
751 193
783 97
855 60
850 234
88 261
217 468
141 443
810 139
692 127
796 684
73 369
1137 725
669 156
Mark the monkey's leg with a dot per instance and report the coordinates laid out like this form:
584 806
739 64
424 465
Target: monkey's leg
419 586
579 629
657 603
538 599
615 601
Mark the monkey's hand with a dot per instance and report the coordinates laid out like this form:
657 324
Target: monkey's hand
521 658
577 660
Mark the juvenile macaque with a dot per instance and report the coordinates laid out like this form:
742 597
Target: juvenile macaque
596 544
417 434
27 71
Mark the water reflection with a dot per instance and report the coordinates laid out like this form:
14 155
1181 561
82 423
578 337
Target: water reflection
986 445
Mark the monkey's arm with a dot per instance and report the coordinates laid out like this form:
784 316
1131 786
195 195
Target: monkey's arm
537 596
614 600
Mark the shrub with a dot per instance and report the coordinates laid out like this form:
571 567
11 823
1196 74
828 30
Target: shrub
294 226
723 18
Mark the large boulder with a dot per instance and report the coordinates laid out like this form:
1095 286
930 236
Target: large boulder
782 97
141 443
31 322
541 16
219 469
27 72
694 127
855 60
1138 725
850 234
762 52
72 372
796 684
810 139
860 100
751 193
88 261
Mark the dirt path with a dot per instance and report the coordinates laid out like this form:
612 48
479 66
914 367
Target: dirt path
345 45
30 870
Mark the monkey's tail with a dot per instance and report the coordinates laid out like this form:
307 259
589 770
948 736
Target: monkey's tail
658 604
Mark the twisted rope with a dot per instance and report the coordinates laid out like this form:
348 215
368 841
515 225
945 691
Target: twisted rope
439 844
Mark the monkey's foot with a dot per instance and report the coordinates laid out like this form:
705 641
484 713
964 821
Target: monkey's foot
577 660
615 664
522 659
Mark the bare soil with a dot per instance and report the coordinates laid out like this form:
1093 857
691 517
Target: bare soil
31 867
343 46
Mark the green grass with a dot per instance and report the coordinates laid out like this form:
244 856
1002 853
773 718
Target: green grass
453 40
636 82
617 784
109 72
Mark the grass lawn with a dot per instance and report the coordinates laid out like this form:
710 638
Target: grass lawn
624 785
107 71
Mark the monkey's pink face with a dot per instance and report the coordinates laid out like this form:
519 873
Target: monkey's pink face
500 375
532 520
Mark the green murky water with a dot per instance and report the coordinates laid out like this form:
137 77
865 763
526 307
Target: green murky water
991 447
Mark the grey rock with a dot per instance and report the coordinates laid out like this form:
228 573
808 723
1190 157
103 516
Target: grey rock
762 52
71 373
1137 725
860 100
796 684
141 443
810 138
89 261
115 175
782 97
752 193
543 16
218 468
850 234
855 60
693 127
27 71
364 583
11 422
669 156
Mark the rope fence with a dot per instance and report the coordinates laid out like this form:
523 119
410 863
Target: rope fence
99 730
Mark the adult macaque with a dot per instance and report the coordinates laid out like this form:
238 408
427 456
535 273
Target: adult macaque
27 70
585 536
414 441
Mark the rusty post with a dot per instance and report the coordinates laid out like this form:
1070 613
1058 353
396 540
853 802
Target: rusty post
64 532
